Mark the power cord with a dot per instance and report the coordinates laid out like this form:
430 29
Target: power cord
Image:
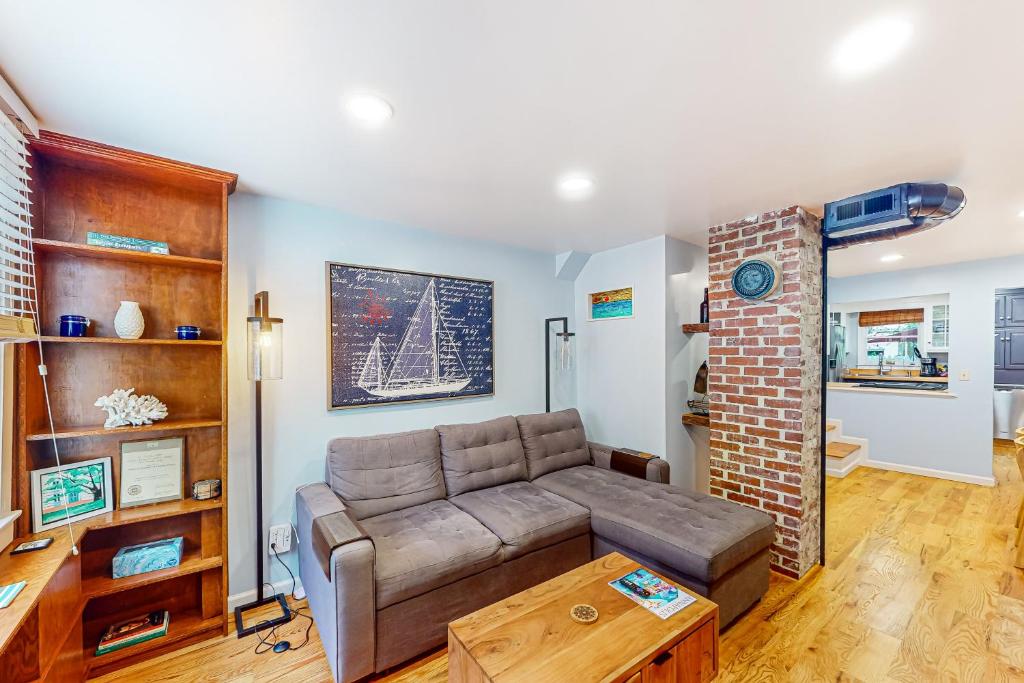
272 640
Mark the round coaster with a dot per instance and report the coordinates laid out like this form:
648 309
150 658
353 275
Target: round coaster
584 614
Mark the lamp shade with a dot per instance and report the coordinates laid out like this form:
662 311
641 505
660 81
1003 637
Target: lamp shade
264 342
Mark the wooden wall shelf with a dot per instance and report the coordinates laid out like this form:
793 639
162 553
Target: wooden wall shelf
696 420
50 631
695 328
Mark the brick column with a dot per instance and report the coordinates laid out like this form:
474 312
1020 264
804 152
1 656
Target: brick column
765 380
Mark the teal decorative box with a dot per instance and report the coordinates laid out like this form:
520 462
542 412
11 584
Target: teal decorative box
148 557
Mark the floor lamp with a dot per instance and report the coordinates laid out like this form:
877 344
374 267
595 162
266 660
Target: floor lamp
564 354
264 359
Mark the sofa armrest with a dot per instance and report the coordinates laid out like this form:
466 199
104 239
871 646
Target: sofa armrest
340 589
654 469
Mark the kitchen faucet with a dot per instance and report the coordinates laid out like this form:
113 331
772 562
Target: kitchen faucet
881 360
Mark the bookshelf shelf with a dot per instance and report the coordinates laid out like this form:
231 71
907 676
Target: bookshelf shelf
695 328
117 340
108 254
188 626
96 586
100 430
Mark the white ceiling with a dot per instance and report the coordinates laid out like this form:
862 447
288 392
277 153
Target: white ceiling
686 113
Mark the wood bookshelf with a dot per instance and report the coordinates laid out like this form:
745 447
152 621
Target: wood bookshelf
50 631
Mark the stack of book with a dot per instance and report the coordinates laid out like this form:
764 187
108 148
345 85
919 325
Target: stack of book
99 239
134 631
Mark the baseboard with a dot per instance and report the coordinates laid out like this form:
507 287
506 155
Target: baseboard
245 597
927 472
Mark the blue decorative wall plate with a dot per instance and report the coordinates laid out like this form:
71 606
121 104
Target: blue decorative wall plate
755 279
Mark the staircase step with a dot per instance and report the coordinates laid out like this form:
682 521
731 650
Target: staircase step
838 449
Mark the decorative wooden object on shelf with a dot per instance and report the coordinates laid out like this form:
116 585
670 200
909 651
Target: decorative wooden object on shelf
694 328
696 420
50 632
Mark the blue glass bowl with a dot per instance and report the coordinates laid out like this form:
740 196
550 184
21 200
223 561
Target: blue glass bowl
188 332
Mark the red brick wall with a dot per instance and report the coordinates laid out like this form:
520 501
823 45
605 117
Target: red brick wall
765 380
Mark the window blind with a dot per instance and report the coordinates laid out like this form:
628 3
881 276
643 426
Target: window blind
17 262
907 315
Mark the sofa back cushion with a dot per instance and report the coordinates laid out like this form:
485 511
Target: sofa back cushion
481 455
553 441
384 473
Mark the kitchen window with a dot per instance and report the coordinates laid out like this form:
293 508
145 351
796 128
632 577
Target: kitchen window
893 342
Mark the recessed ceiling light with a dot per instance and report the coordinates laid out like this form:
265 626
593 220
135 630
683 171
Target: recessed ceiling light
871 45
368 109
575 186
889 258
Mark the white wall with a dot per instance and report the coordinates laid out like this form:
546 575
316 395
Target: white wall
686 270
635 375
620 391
949 435
281 246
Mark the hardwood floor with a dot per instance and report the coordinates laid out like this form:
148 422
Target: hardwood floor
919 587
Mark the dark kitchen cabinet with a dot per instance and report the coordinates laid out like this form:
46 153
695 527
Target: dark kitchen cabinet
1009 336
1014 349
1009 311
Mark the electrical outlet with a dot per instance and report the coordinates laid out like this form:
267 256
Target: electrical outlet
964 376
280 538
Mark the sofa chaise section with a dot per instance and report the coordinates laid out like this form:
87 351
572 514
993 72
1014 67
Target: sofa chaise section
695 539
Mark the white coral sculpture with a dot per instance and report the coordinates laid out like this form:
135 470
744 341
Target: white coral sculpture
125 408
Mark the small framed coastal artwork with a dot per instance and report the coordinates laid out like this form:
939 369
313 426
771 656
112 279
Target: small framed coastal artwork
71 493
397 336
613 304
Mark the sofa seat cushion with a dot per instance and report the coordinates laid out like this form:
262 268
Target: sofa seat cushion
525 517
427 546
701 536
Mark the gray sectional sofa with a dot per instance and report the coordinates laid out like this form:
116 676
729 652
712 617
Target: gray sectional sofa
410 531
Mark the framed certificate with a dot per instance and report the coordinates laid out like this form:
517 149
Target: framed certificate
152 471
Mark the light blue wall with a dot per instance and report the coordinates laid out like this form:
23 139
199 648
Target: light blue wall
281 246
950 435
635 375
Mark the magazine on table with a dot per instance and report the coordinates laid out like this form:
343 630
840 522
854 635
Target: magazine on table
646 589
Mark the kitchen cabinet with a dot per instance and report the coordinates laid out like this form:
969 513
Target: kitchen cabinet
1014 349
939 340
1009 308
1009 349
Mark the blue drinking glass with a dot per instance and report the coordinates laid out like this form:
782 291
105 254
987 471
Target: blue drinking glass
73 325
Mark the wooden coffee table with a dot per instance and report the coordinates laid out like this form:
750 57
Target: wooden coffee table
530 637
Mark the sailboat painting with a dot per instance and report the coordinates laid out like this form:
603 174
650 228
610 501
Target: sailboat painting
400 336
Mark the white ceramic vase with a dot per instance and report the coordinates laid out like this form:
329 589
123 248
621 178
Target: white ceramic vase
129 323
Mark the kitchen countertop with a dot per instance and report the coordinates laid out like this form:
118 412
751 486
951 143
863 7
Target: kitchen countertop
894 378
853 388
